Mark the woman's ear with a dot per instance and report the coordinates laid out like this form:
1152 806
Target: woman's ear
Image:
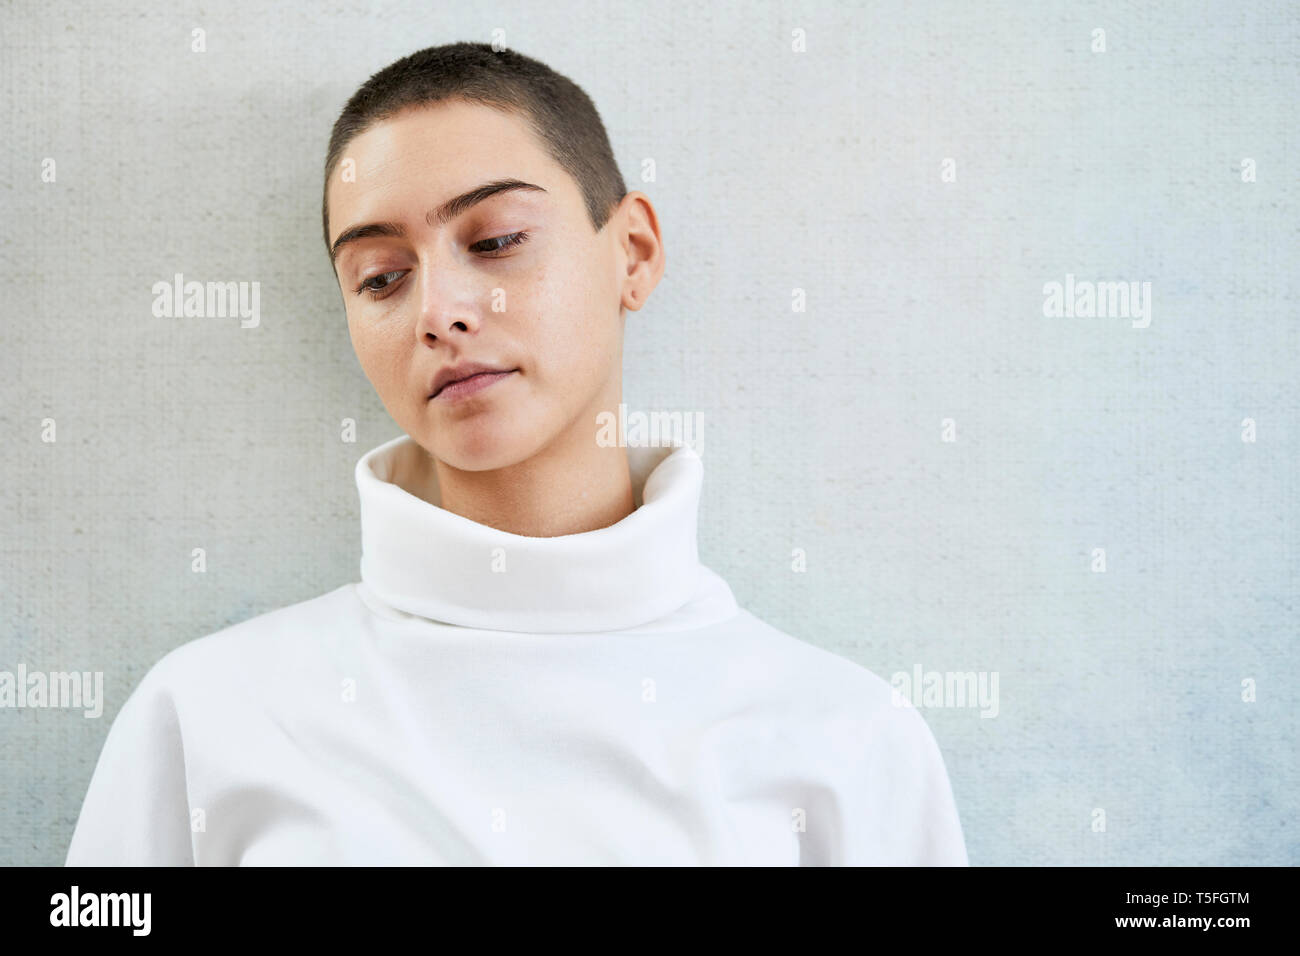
643 248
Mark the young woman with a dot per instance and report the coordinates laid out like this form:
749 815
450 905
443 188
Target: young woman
535 668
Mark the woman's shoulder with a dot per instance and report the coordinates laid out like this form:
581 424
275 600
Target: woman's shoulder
834 688
279 641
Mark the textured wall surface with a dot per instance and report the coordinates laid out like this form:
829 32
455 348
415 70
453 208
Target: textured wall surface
955 466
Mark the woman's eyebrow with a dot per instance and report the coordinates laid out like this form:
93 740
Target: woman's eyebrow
441 215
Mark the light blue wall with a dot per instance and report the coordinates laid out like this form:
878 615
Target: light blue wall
775 170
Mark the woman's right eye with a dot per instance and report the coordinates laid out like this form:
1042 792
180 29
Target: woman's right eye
388 279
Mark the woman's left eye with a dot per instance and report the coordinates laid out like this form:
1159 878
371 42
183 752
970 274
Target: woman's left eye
497 243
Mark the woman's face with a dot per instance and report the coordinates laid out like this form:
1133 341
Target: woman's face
518 282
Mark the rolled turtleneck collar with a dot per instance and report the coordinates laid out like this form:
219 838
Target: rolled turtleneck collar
423 560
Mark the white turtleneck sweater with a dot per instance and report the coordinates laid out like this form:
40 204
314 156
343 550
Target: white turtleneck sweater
481 697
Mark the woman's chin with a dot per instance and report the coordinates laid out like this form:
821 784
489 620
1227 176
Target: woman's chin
480 446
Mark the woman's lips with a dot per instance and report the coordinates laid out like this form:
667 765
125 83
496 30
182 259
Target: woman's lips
455 391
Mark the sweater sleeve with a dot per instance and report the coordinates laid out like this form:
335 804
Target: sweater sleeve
136 810
906 814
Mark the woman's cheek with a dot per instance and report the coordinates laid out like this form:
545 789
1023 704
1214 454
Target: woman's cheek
380 363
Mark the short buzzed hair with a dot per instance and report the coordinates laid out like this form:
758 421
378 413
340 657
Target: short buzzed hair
560 114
